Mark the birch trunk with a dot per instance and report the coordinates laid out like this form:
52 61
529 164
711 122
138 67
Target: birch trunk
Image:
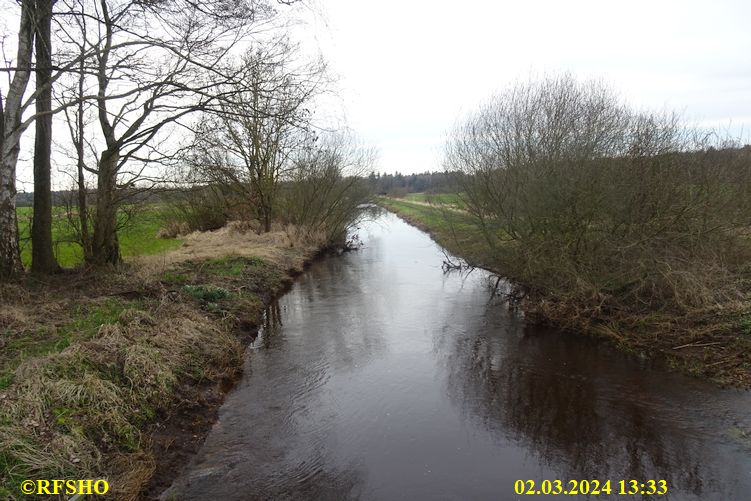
10 137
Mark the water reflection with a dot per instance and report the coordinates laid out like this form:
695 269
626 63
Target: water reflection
269 329
587 411
380 377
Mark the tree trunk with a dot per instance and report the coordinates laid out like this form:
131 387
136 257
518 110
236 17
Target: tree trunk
105 247
42 256
266 219
265 203
83 210
10 137
10 258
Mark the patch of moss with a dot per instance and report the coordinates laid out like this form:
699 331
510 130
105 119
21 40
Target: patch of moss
6 379
231 266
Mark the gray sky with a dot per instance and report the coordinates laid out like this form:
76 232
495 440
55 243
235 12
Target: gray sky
409 68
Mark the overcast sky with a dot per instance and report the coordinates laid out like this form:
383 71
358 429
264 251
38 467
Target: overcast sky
409 68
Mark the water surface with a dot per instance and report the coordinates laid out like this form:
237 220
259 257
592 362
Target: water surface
379 377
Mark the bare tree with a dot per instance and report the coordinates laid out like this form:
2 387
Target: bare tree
154 64
326 187
42 256
76 120
249 143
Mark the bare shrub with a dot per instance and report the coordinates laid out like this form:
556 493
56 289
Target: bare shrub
582 197
325 191
199 208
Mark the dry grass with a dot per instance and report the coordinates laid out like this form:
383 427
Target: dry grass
83 411
13 317
287 248
69 409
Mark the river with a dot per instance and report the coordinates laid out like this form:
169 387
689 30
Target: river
380 377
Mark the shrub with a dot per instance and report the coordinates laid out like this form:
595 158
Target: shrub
581 197
202 208
325 194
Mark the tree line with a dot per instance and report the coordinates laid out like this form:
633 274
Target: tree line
398 184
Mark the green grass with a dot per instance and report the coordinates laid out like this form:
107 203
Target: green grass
11 476
745 324
87 320
246 276
83 324
138 237
223 267
246 281
450 199
226 266
175 278
6 379
206 293
99 397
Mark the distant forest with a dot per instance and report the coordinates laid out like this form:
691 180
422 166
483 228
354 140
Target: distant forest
395 185
398 184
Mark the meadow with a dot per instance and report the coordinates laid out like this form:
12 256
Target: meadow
138 236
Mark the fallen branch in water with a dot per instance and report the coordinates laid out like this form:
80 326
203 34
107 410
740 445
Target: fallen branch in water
449 264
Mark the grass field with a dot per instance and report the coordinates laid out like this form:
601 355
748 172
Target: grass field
138 236
448 199
92 358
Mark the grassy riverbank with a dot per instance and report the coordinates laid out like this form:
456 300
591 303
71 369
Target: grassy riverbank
712 343
95 368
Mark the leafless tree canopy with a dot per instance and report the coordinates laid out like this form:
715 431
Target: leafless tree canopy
575 191
326 186
248 142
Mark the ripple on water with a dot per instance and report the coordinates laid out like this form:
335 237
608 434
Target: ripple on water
379 377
